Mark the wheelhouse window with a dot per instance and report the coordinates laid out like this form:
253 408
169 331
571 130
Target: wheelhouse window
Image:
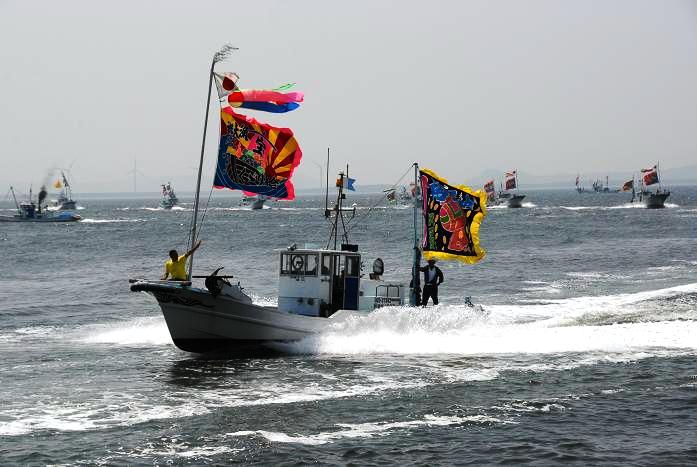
299 264
311 265
352 266
326 264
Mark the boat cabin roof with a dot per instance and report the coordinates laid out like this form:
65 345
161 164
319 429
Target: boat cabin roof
318 250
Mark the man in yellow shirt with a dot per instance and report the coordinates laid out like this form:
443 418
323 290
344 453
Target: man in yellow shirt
176 265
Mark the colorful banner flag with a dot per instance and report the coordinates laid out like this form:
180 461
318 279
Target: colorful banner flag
275 100
257 95
452 216
650 177
255 157
348 183
58 185
628 185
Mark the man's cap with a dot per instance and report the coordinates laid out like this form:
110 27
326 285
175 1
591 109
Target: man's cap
432 260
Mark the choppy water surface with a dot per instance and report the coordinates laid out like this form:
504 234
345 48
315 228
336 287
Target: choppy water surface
585 351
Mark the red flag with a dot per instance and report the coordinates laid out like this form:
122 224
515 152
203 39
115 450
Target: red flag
650 177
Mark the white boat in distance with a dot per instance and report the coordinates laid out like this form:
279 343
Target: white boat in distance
34 212
65 201
169 198
254 202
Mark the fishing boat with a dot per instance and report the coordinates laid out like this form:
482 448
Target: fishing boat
65 200
599 187
253 202
34 212
508 194
579 188
402 196
652 199
169 198
318 287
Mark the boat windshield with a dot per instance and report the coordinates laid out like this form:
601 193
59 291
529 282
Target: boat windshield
299 264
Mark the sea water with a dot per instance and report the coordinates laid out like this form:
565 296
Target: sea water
584 350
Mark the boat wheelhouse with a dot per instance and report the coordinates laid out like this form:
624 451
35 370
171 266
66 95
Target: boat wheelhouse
322 282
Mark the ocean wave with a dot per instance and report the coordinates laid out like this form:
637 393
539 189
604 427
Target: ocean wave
369 430
109 221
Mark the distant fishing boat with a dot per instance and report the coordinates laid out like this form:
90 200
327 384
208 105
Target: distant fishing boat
505 196
169 198
65 200
599 187
651 199
402 196
579 188
253 202
35 212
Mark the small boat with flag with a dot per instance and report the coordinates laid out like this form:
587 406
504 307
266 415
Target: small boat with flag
317 286
65 201
169 198
255 202
29 211
655 199
402 196
506 196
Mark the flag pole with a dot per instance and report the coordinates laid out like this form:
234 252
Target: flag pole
413 298
219 56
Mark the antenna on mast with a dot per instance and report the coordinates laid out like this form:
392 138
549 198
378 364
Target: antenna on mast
326 195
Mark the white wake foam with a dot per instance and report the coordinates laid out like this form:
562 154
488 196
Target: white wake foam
367 430
135 332
109 221
547 328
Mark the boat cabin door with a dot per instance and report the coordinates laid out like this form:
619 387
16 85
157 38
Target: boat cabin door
345 280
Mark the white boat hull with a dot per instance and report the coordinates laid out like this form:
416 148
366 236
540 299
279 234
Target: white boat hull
199 322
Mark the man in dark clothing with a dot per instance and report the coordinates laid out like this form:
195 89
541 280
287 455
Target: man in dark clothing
433 277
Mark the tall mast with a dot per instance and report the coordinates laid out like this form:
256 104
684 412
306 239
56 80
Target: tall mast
326 194
417 252
15 198
219 56
338 214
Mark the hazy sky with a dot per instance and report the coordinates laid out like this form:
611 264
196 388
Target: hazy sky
461 86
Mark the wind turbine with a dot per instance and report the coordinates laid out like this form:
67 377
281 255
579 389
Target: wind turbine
135 173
